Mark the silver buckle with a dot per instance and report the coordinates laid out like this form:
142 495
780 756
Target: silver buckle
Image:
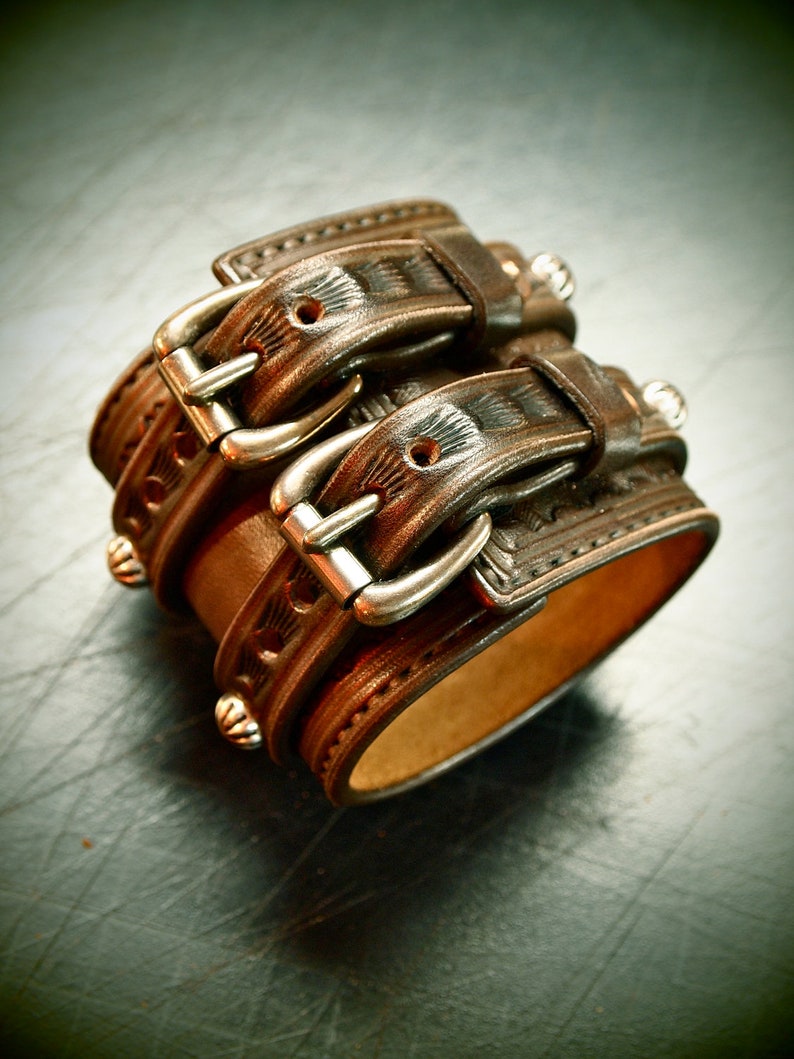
315 537
196 388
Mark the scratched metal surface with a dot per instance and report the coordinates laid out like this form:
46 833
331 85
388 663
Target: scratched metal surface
614 880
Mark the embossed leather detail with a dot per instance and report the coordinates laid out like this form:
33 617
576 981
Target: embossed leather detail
305 341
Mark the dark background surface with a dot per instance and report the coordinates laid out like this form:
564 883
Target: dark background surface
613 880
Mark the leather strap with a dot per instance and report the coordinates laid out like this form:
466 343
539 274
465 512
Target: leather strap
329 305
475 406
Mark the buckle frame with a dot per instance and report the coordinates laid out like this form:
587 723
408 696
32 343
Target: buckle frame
196 389
315 539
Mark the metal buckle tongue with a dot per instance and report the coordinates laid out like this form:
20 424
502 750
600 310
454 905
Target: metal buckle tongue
315 539
196 389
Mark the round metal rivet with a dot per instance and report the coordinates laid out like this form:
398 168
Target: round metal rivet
667 400
553 271
236 723
124 563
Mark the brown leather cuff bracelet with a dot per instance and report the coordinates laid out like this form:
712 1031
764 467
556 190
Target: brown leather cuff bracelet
407 508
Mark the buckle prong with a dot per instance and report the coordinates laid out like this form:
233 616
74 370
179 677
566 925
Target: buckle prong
320 537
204 387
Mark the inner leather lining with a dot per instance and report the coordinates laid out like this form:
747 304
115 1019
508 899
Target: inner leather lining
580 623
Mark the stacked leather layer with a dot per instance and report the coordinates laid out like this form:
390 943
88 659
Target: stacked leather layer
407 508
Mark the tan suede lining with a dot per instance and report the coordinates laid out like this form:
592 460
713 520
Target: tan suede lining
578 625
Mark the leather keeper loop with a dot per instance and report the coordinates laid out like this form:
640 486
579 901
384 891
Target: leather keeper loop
602 404
495 298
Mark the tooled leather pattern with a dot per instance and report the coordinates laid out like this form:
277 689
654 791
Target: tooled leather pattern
288 611
433 457
335 313
154 478
532 548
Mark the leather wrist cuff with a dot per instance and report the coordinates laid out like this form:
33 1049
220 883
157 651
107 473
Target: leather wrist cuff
407 508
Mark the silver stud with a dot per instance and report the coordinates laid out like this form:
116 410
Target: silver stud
667 400
553 271
235 722
124 562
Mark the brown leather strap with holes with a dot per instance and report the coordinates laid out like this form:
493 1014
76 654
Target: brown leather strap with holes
482 406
